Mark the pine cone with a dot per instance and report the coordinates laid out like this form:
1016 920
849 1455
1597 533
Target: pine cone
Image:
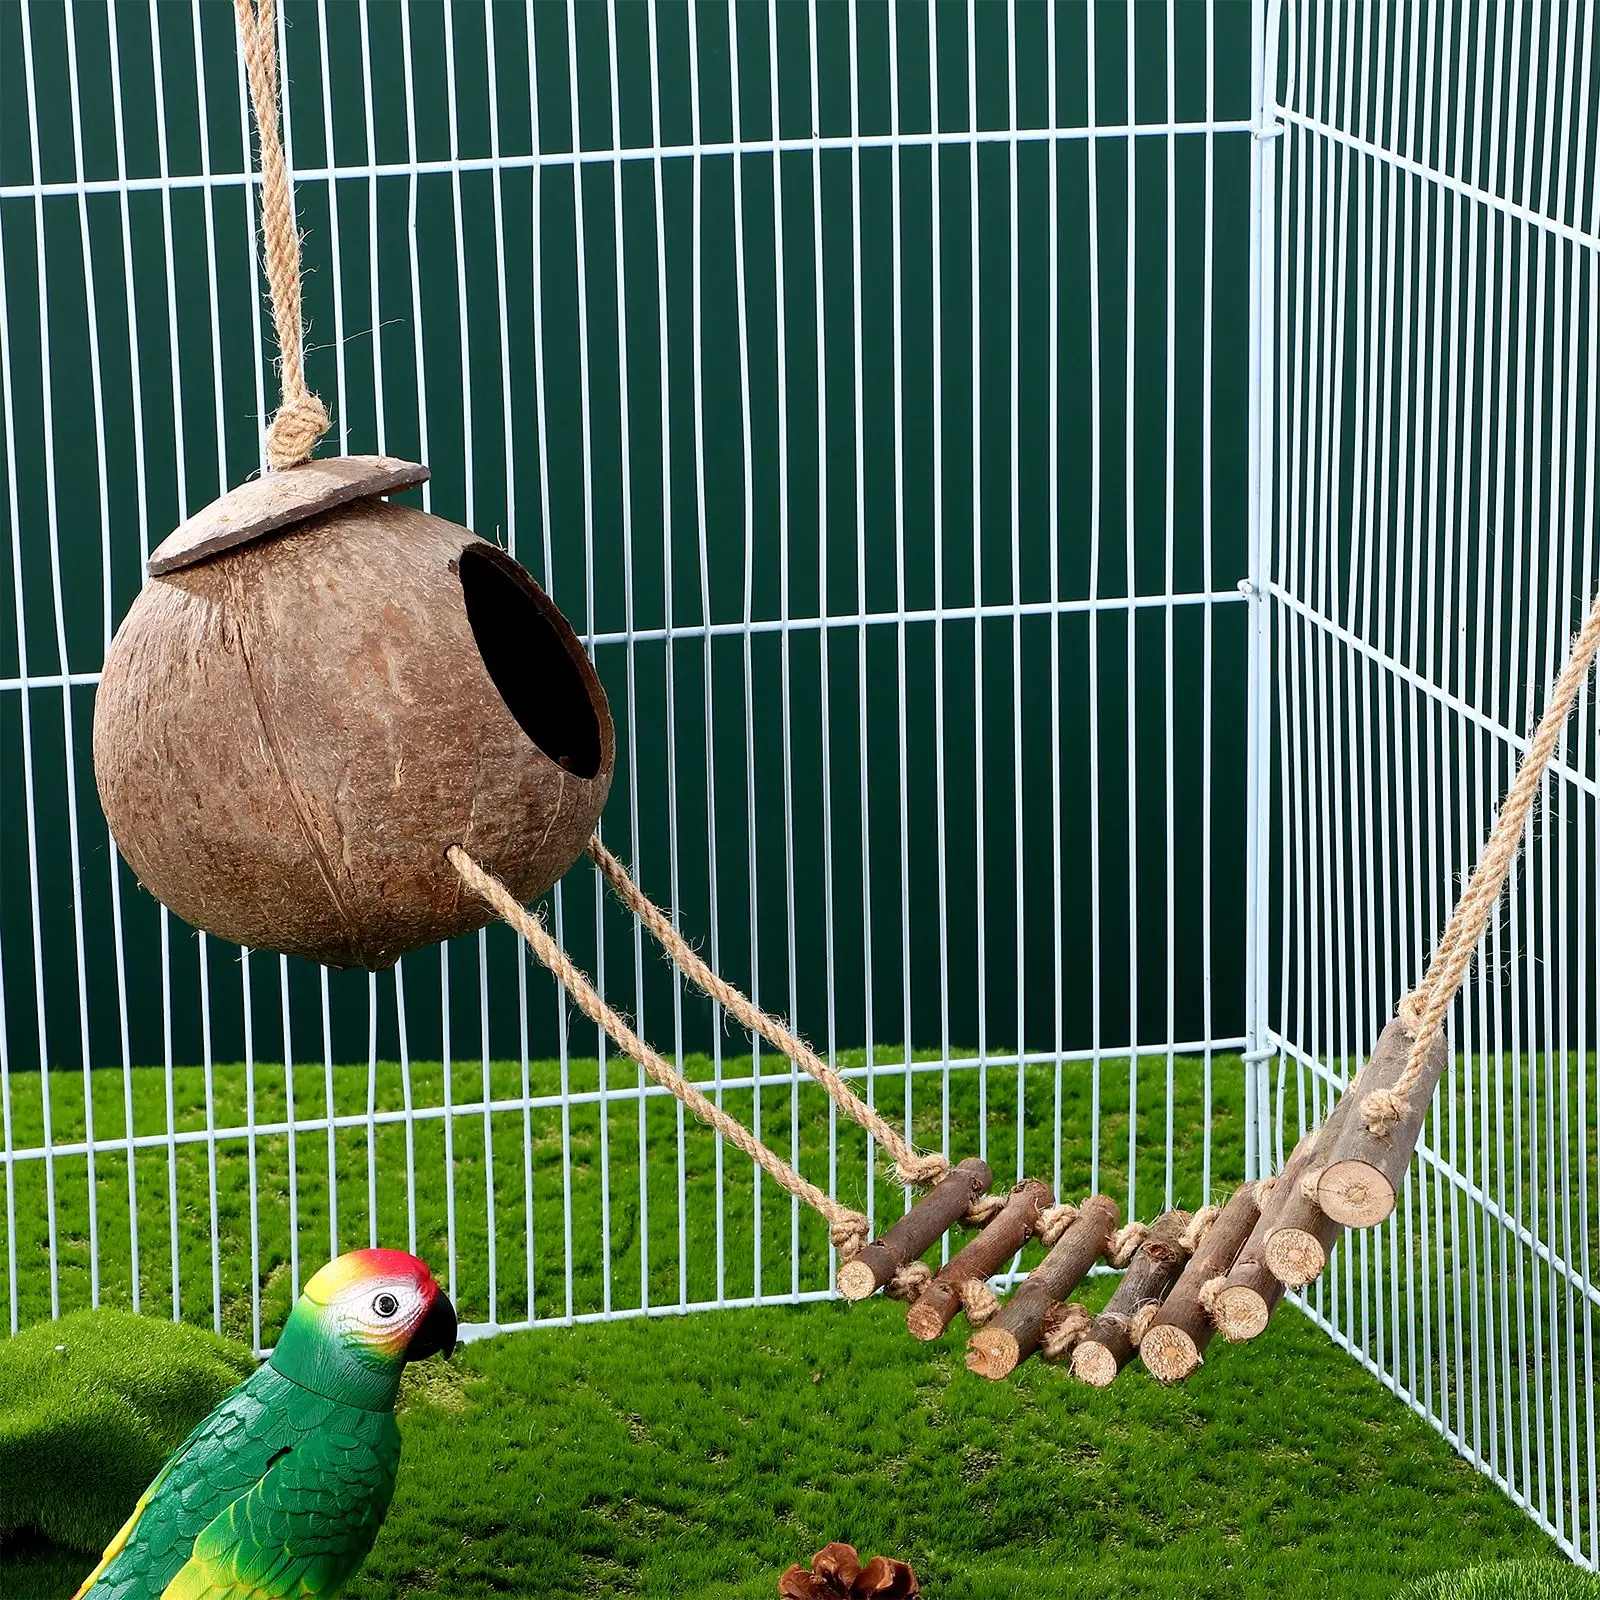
836 1573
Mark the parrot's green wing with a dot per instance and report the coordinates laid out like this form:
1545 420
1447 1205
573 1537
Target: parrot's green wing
303 1530
227 1456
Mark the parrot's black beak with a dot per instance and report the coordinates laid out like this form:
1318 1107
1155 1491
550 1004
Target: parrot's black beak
436 1333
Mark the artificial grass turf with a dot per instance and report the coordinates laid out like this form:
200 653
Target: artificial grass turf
692 1457
90 1407
697 1457
1508 1580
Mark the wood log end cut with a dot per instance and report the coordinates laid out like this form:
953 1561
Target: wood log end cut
1355 1193
993 1353
856 1280
1295 1257
1094 1364
1240 1313
1169 1353
926 1320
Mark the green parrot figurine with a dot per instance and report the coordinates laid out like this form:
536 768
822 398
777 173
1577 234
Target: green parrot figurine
280 1492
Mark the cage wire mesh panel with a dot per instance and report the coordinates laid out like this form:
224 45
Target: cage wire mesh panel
869 386
1434 390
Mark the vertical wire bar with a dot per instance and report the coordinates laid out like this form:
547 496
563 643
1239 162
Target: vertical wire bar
584 371
979 826
936 298
784 613
1096 1036
470 507
92 321
141 496
541 411
1014 508
902 751
1131 582
1057 932
669 664
741 306
502 305
863 795
629 615
702 536
822 592
1170 497
180 465
1207 619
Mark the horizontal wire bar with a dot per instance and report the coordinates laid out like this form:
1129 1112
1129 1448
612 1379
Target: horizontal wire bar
1442 180
610 1095
994 612
371 171
1426 687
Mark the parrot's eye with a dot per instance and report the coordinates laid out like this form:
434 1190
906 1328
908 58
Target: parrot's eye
386 1305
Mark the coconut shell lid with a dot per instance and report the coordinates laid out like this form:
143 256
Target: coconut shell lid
278 500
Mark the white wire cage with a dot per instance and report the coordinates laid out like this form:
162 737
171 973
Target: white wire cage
1065 504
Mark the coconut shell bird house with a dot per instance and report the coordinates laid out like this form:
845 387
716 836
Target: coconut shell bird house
318 694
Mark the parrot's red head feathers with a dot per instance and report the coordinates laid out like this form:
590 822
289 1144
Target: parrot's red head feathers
360 1319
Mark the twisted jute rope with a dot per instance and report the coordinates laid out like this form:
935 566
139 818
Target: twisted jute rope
911 1166
1423 1011
301 418
848 1229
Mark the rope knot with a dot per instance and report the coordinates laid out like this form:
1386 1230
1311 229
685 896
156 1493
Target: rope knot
1410 1011
293 432
1199 1227
985 1209
1142 1318
1124 1244
1383 1111
909 1282
979 1301
1065 1333
1054 1221
1209 1290
849 1235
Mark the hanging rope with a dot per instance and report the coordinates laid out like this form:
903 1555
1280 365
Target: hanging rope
1423 1011
301 418
848 1229
912 1167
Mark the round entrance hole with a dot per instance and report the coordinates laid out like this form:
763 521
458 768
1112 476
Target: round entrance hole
533 658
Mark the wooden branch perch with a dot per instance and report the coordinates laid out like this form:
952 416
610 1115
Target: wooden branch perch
1175 1342
1013 1336
1296 1247
935 1310
933 1216
1243 1305
1108 1346
1363 1170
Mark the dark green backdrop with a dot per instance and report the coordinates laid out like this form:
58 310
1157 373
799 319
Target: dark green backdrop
133 358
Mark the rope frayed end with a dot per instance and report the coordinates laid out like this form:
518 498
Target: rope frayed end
921 1171
985 1209
1209 1290
294 430
1383 1111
